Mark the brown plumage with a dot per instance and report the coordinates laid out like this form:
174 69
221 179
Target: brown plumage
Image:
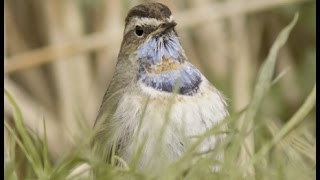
149 10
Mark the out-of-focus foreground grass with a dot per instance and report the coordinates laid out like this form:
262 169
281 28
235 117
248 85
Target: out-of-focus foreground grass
60 57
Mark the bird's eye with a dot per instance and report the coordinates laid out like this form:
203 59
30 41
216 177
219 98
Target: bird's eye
139 31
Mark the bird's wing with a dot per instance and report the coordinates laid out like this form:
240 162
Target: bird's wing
102 133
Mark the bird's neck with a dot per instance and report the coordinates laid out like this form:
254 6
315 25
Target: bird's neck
163 66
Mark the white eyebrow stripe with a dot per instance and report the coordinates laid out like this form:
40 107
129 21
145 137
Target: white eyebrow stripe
138 21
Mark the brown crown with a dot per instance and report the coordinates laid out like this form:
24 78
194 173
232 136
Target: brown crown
149 10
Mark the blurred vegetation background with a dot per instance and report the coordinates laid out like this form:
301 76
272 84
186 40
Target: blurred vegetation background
60 56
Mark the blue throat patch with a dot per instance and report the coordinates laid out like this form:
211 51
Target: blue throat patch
152 52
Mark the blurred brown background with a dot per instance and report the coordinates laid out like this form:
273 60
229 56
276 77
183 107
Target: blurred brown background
60 56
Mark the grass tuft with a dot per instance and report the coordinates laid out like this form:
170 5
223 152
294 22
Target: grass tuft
284 154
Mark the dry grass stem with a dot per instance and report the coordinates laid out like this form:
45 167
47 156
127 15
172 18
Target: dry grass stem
242 79
100 40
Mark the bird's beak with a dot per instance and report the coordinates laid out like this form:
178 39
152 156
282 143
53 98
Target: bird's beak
164 27
167 26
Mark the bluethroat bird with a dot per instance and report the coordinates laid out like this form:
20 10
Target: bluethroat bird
155 92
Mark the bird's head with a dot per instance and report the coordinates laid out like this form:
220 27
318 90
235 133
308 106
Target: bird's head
151 44
150 36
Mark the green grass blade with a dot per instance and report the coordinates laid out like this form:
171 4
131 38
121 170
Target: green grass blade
263 84
264 80
280 75
297 118
23 148
46 163
26 140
